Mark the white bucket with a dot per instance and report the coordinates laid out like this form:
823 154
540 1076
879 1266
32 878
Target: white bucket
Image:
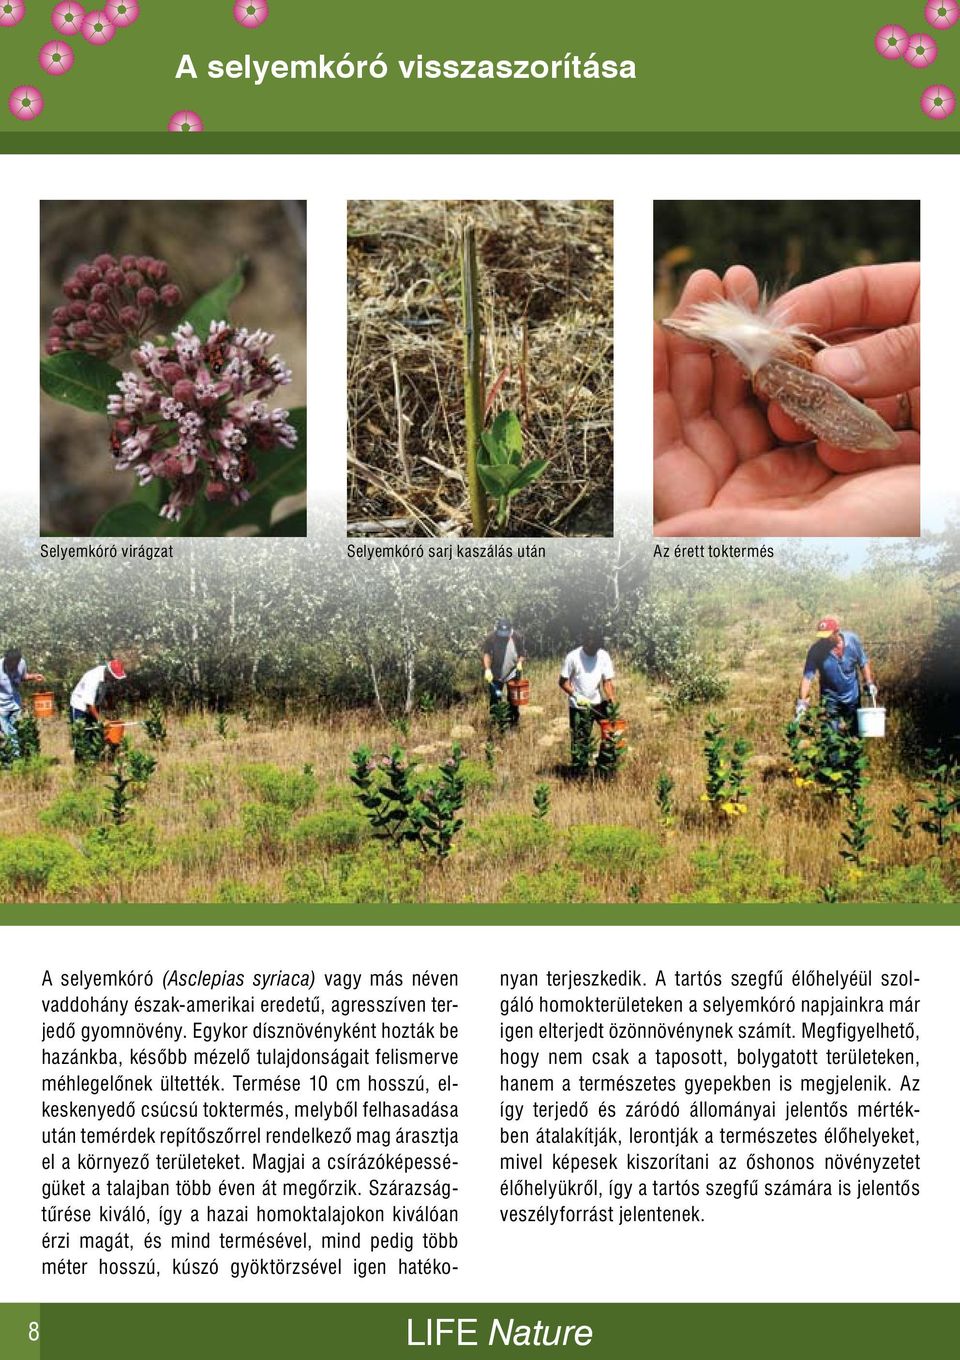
871 722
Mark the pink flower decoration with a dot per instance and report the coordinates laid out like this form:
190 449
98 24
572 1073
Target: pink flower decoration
251 13
67 17
942 14
938 101
185 121
11 12
25 102
891 41
56 57
122 13
96 27
921 50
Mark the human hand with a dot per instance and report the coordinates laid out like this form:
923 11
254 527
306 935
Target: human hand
723 463
488 676
582 702
801 708
872 691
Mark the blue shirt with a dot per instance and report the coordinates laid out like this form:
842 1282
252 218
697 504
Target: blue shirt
10 687
839 682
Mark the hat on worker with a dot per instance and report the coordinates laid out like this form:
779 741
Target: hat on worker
502 628
115 668
828 626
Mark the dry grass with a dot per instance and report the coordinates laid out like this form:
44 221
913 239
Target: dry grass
547 280
196 796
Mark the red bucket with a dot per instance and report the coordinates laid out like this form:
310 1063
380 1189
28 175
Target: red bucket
613 729
43 704
518 692
113 733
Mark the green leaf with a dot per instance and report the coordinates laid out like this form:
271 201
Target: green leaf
507 432
291 526
79 380
130 520
527 474
497 452
497 480
215 305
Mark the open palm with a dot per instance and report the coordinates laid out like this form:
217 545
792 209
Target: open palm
726 465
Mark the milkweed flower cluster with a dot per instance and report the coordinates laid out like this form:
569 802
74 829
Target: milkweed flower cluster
185 415
111 304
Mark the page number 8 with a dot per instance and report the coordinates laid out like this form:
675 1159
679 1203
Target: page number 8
33 1331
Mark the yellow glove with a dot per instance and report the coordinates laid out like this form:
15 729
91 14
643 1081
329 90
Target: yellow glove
582 701
488 676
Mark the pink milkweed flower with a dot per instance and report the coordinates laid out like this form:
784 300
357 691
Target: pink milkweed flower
122 13
942 13
921 50
251 13
891 41
56 57
938 101
11 12
25 102
185 121
96 27
67 17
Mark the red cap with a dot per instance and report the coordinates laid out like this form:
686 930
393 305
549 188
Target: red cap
828 626
116 670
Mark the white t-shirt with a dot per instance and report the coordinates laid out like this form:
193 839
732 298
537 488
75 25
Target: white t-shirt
586 674
87 688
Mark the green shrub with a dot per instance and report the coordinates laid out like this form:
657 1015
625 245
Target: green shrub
266 827
290 789
552 886
614 849
232 890
31 864
736 871
340 797
913 885
328 832
476 775
210 811
203 849
74 810
34 772
202 780
120 852
509 833
695 682
376 874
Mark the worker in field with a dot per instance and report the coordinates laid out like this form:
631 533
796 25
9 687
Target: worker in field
838 658
88 697
586 678
13 672
503 660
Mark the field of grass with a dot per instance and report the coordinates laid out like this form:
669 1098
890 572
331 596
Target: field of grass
260 810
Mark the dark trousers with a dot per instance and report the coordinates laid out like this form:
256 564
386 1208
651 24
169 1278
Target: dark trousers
498 692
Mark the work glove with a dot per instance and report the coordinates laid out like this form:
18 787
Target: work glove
582 702
488 676
872 691
519 667
801 708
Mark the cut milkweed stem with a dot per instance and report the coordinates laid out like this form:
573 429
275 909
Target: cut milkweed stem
472 378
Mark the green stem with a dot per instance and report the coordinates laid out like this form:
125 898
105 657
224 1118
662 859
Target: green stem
472 378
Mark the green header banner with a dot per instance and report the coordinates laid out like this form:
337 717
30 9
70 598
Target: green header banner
388 1331
107 77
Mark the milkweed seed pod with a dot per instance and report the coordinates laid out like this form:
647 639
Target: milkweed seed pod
778 359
